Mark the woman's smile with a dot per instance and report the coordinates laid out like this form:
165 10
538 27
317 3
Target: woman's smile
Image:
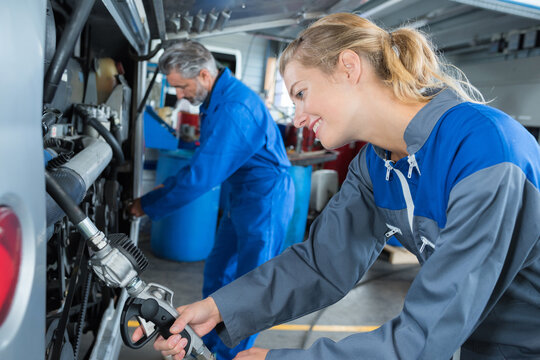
315 126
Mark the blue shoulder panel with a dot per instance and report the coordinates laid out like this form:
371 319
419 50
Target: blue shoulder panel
468 138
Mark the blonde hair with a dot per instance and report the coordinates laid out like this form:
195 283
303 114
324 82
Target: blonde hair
404 59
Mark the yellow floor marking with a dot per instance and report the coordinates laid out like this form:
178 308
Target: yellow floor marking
328 328
297 327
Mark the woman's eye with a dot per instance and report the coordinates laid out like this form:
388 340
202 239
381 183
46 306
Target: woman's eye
300 94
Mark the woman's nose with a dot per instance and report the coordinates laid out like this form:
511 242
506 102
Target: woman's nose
300 119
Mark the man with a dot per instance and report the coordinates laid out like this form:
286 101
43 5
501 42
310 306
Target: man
241 147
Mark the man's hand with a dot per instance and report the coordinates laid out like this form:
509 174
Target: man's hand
202 316
252 354
134 208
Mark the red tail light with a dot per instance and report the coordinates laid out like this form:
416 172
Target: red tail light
10 258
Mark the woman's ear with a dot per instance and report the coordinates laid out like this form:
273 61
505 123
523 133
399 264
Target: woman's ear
350 65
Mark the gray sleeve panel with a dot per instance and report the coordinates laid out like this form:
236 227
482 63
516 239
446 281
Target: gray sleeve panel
344 241
492 234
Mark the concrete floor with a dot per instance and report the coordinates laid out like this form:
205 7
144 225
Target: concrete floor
378 298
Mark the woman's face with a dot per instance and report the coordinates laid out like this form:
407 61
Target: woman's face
324 103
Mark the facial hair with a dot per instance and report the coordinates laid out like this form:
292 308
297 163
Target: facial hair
200 95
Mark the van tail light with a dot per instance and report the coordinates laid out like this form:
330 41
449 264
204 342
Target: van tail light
10 258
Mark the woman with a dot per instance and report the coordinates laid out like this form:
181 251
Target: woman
457 183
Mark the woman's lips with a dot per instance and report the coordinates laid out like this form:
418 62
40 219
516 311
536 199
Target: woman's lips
314 124
316 127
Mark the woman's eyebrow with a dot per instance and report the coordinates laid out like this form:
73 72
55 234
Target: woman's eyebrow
292 87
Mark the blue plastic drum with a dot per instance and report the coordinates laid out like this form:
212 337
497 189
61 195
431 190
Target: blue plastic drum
296 230
188 233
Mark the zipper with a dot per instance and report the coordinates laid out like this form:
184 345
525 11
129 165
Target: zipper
392 231
408 197
389 167
425 242
411 159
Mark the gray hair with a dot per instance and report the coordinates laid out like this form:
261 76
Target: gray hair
188 58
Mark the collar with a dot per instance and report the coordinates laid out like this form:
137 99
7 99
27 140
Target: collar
421 125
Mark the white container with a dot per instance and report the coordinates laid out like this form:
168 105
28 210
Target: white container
324 184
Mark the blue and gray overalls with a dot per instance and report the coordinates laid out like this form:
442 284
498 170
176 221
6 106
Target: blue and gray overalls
466 202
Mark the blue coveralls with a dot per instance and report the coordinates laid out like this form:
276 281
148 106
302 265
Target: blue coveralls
242 149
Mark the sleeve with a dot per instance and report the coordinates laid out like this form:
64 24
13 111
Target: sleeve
344 241
486 242
235 138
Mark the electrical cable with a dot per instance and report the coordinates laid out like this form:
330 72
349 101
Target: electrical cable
104 132
359 284
248 53
109 138
147 93
147 57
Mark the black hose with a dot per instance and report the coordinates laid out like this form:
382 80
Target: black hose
148 89
150 55
65 48
67 204
49 118
109 138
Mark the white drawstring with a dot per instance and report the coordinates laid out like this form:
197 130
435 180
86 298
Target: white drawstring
388 164
411 159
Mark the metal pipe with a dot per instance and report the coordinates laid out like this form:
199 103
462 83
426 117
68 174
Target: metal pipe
65 48
160 19
90 162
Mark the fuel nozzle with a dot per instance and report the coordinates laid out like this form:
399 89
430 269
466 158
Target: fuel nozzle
119 262
151 304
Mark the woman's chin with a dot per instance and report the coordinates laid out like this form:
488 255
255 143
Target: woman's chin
331 145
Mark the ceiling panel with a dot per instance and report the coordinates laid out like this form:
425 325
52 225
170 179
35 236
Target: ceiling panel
451 23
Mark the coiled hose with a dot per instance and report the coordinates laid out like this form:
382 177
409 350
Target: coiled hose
118 154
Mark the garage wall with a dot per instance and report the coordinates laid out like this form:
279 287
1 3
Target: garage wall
513 84
253 50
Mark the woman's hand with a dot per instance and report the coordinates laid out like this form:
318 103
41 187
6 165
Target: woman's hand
252 354
202 316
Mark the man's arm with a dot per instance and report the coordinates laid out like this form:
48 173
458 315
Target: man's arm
227 148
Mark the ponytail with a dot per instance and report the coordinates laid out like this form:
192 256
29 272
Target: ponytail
404 59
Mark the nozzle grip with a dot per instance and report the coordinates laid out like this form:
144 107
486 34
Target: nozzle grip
132 309
149 310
